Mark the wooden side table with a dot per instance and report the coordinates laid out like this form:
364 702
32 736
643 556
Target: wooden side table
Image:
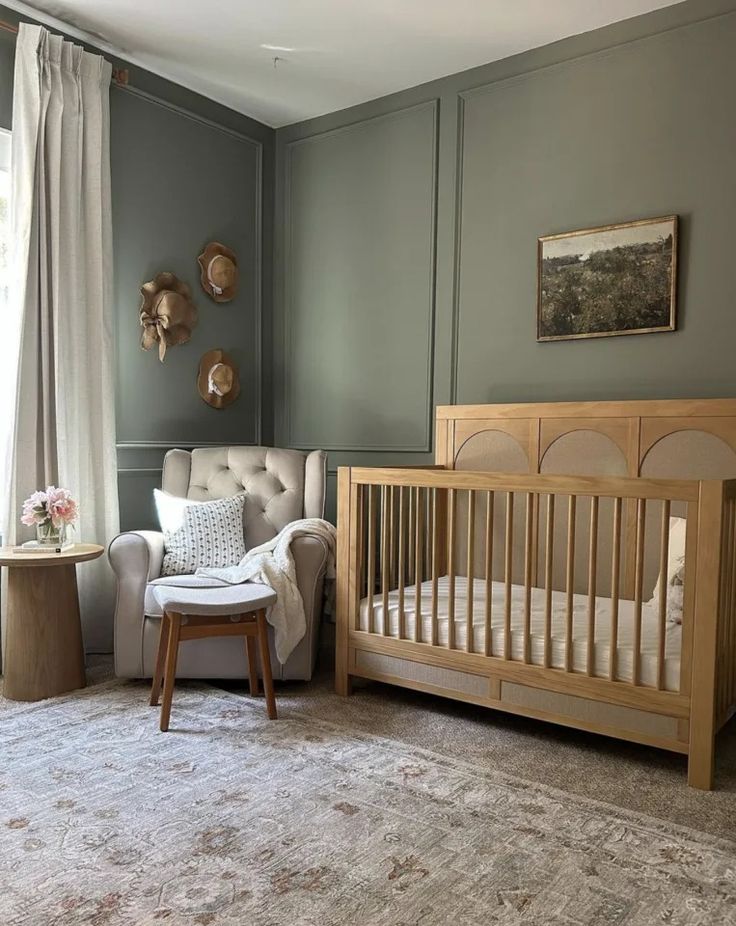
43 654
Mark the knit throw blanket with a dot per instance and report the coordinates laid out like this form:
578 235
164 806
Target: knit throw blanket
272 564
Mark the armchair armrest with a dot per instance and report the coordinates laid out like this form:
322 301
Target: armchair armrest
140 552
310 560
136 558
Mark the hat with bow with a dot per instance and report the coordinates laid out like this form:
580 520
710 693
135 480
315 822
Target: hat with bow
167 313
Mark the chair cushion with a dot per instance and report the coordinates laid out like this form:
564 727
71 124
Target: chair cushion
215 602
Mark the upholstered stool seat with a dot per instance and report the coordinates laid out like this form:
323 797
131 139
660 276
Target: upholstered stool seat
216 601
194 612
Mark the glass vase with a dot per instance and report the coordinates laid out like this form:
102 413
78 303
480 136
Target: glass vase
49 536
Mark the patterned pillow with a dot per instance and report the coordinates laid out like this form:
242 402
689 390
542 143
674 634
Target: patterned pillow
200 534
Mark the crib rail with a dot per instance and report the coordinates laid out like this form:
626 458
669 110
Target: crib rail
411 525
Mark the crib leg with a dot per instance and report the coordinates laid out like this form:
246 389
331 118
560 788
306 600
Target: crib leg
343 684
343 680
701 763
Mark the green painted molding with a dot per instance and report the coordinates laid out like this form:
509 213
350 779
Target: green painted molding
286 328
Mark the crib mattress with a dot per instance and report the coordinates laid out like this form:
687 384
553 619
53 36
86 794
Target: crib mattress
626 620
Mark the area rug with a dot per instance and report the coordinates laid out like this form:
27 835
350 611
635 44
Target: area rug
231 819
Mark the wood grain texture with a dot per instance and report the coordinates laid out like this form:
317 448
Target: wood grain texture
79 553
615 507
707 606
345 571
43 653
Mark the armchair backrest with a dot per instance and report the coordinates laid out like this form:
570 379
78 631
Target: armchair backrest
281 486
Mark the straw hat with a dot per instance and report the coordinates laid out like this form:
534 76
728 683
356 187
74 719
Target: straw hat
167 313
219 275
217 380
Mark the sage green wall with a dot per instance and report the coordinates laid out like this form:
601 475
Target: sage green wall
185 171
630 121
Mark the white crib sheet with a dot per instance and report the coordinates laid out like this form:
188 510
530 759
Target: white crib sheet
625 655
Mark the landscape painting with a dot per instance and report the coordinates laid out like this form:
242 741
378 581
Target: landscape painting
599 282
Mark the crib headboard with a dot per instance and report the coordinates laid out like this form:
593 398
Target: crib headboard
671 438
675 438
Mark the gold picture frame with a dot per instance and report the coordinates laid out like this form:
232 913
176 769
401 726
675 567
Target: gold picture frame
585 292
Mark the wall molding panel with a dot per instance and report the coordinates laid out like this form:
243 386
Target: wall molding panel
290 436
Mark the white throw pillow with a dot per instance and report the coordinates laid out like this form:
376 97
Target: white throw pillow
200 534
675 577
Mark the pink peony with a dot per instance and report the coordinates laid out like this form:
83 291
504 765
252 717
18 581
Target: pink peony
55 505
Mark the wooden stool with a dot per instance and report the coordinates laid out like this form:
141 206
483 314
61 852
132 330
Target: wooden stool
226 611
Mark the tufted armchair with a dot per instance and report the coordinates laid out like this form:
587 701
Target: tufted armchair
281 486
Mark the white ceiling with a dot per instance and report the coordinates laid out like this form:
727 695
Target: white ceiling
340 52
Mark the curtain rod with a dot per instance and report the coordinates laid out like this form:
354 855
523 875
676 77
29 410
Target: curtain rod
119 75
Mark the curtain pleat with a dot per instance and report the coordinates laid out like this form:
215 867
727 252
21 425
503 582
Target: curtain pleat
64 431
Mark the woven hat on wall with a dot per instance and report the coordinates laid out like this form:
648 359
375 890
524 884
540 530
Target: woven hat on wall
217 381
219 275
167 313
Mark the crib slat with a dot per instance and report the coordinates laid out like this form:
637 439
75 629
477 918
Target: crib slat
615 582
429 521
392 535
371 560
549 545
592 570
469 637
508 565
490 498
641 515
570 580
528 563
385 560
401 565
357 587
410 527
435 566
451 569
664 542
418 547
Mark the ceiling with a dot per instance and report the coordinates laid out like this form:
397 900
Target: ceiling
332 53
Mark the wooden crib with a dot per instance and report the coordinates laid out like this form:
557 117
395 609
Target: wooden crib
519 572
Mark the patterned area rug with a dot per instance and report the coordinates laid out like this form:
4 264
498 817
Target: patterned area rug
230 819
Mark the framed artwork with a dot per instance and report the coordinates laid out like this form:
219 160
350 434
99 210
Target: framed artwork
600 282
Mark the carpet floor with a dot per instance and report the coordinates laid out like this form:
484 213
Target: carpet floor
630 776
341 812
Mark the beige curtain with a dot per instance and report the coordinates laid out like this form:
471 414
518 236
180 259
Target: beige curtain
64 422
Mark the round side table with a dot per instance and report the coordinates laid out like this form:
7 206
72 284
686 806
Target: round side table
44 655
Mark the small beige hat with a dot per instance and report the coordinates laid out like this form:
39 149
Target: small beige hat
219 275
167 313
217 380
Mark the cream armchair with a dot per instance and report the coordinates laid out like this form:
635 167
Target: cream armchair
281 486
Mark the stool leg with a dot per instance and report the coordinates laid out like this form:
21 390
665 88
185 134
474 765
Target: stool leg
172 654
266 664
250 648
158 672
